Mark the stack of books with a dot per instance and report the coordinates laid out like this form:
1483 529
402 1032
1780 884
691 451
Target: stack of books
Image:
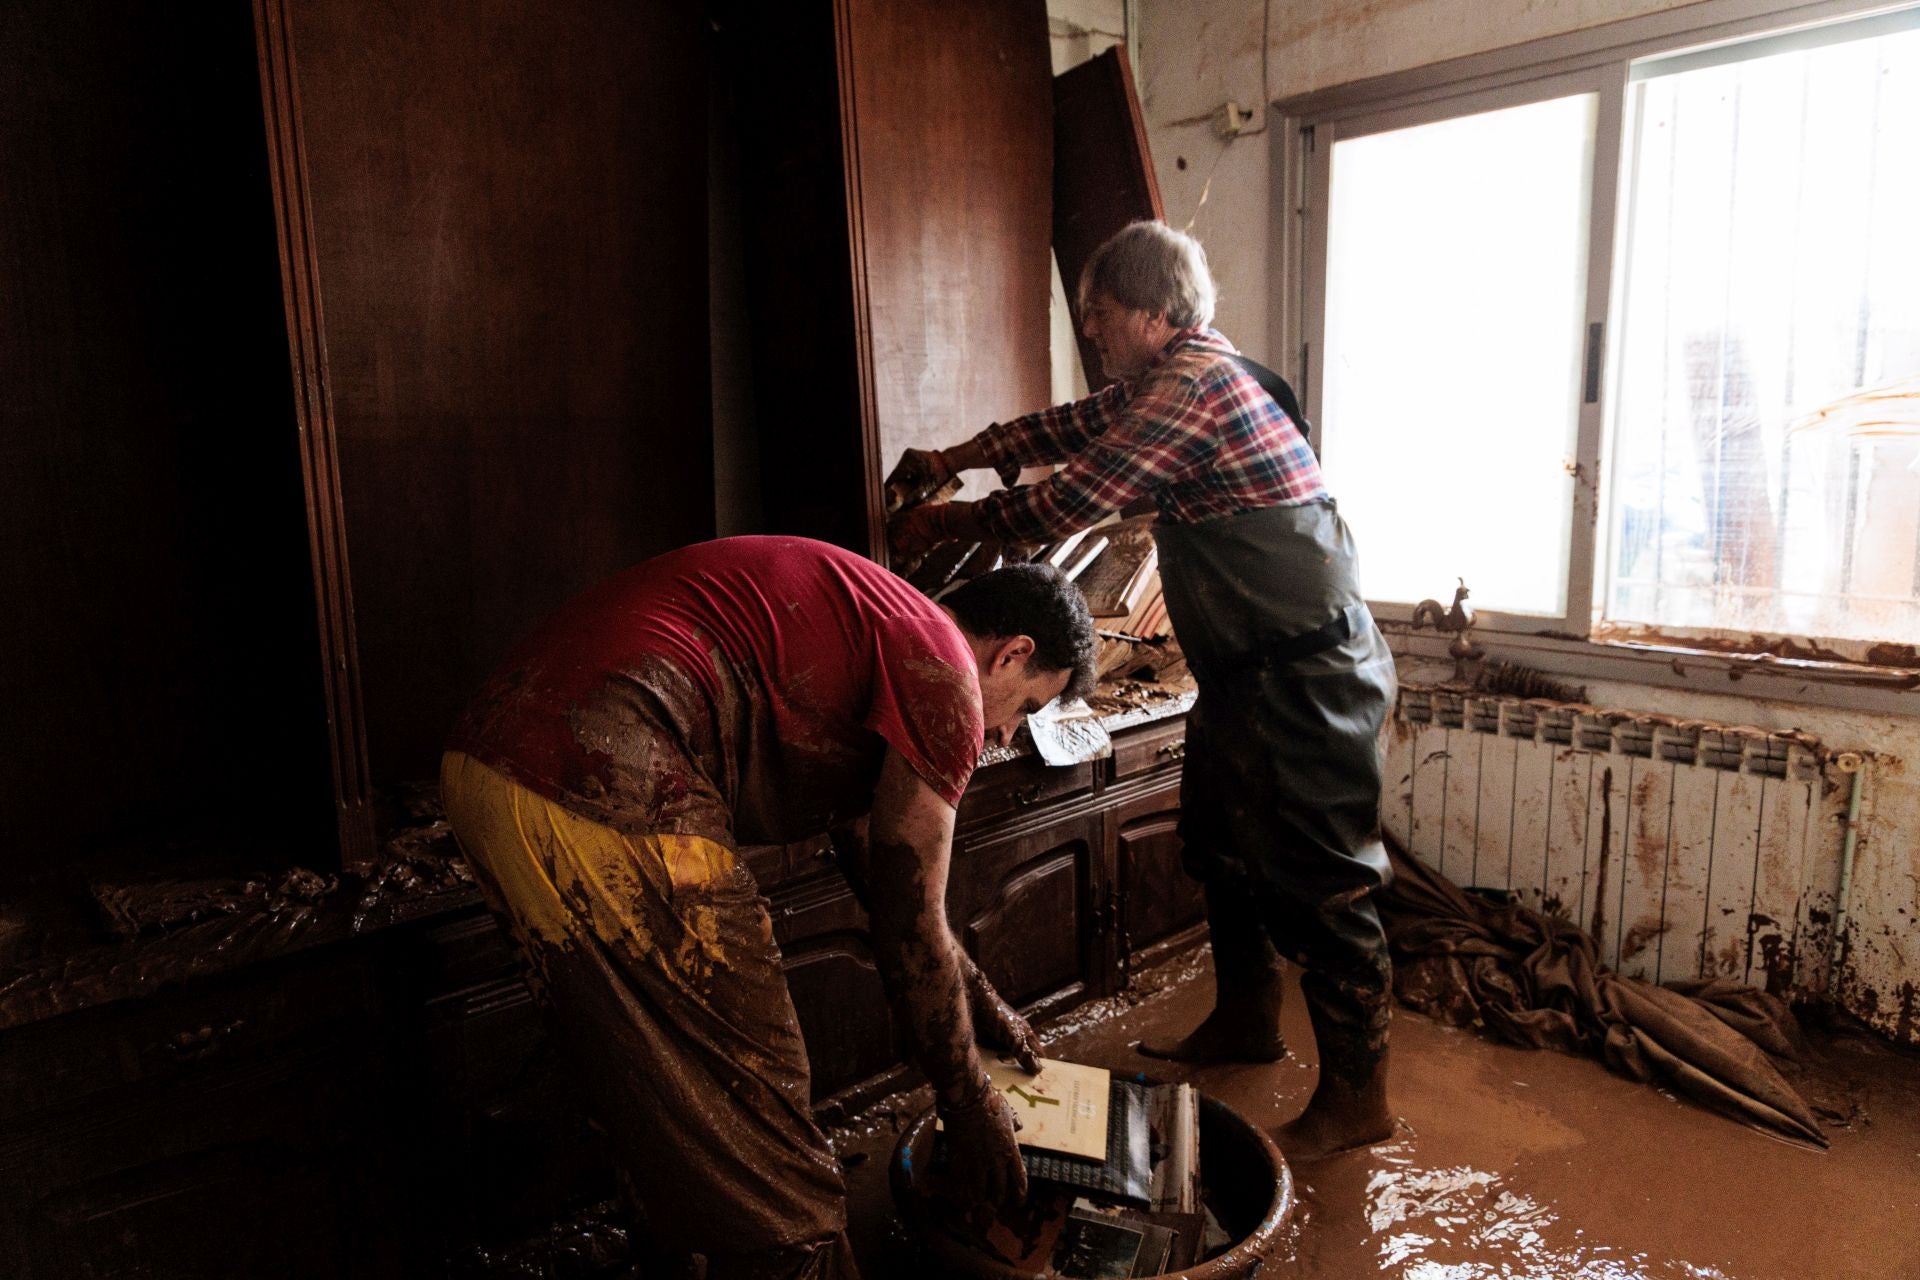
1114 1174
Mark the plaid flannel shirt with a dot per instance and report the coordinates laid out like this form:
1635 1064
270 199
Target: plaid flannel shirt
1195 431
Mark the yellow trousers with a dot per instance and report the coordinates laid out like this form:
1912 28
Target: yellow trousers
654 956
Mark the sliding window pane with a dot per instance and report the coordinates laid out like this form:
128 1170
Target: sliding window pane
1766 457
1456 294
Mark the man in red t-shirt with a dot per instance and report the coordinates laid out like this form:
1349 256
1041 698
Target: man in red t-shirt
751 691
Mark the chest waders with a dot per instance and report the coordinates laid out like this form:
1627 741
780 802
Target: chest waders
1280 790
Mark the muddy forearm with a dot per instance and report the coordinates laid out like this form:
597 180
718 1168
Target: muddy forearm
849 844
922 970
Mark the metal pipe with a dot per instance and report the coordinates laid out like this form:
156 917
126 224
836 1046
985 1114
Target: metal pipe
1854 763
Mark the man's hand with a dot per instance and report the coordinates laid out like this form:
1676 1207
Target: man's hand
917 530
995 1023
985 1165
918 473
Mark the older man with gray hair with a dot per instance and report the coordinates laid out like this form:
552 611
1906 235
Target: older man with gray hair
1281 788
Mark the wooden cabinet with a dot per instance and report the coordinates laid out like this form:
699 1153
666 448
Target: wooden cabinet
246 1106
1024 904
1159 903
331 367
897 178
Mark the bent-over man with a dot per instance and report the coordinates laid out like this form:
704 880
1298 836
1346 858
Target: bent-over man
750 691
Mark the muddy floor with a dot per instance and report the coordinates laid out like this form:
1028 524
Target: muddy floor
1513 1163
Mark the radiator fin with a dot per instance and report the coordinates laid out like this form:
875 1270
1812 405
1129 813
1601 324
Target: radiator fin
1684 847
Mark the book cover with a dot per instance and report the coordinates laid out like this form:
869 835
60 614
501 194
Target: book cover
1062 1109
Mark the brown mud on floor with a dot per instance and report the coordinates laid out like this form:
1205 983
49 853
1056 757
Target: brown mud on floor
1519 1163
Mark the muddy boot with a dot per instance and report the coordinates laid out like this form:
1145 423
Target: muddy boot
1348 1108
1247 985
1244 1026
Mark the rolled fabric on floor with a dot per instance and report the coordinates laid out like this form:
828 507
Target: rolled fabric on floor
1536 981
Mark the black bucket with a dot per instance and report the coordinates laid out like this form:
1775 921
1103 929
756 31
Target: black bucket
1243 1176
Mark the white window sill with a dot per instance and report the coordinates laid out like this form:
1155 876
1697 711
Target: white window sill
1844 685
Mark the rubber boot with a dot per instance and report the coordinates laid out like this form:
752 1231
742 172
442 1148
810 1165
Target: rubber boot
1348 1108
1248 983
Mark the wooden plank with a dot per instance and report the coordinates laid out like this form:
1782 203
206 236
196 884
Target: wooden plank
1690 858
1608 813
1643 878
1462 804
1102 174
1493 837
1431 760
1569 802
1532 806
1730 885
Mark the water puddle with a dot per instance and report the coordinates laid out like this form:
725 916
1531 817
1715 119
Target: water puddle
1461 1223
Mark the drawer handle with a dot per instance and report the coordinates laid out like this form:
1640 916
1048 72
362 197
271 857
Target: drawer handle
1026 796
1176 750
198 1043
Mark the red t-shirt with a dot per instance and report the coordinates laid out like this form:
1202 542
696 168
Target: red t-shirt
744 689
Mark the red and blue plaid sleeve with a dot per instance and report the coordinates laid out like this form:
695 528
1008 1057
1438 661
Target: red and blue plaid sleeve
1052 435
1159 433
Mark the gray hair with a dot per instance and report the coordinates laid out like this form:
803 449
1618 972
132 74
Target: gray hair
1148 266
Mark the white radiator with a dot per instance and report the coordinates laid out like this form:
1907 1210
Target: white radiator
1687 849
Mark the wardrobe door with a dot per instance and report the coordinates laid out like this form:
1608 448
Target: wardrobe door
508 216
159 661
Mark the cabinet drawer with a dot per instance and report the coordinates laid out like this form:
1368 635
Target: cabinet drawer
1151 746
1020 784
64 1059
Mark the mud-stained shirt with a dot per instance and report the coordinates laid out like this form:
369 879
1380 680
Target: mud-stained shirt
744 689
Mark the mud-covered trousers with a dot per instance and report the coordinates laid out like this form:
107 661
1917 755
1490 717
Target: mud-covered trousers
654 958
1280 791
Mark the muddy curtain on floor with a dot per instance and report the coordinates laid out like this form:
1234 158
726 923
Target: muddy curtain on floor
1534 980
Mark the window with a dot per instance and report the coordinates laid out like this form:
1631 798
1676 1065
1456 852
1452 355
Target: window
1631 340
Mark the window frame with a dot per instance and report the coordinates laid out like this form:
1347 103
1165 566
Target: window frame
1598 60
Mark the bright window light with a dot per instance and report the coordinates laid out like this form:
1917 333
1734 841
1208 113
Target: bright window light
1455 337
1765 469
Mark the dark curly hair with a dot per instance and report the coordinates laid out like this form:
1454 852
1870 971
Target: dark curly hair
1037 601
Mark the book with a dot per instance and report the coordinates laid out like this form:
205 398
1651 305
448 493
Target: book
1089 552
1061 553
1079 1128
1174 1128
1095 1245
1025 1235
1114 583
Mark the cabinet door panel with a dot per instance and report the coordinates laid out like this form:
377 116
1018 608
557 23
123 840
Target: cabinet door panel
843 1009
1158 898
1019 906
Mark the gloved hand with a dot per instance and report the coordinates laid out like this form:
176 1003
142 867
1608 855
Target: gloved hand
997 1025
984 1166
918 473
918 530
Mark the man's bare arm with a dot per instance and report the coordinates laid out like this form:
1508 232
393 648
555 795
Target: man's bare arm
996 1024
911 839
